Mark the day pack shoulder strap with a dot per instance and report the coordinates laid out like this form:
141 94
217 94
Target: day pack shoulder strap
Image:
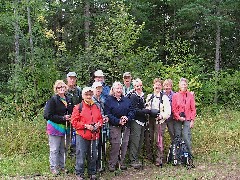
80 107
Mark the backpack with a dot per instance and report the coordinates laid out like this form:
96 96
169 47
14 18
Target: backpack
75 95
178 154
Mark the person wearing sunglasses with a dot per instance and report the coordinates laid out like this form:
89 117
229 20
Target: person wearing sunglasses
57 113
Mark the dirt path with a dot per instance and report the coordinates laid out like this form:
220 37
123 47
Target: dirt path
229 170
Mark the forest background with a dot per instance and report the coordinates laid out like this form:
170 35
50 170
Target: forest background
41 41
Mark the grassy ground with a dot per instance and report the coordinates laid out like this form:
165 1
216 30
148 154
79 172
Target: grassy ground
216 146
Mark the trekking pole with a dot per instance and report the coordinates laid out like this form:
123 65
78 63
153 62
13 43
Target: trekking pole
121 142
143 150
101 148
160 140
65 144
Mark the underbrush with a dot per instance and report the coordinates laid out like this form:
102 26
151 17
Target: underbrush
24 144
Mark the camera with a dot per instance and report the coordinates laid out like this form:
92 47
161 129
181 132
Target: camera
154 113
182 114
95 128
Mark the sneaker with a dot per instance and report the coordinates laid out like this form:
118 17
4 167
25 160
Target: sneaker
93 177
80 177
54 172
63 171
111 168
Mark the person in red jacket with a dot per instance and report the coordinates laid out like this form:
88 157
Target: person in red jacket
87 121
184 112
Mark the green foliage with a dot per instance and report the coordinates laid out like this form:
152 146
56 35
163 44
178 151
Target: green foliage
24 149
228 89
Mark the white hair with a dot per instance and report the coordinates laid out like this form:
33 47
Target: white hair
115 84
135 81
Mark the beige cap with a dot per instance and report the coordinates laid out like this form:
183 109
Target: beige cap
86 89
96 84
98 73
127 74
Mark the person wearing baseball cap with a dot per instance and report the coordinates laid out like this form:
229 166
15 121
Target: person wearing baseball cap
100 77
99 101
74 93
87 120
127 81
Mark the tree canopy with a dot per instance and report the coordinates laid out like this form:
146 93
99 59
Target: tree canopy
42 40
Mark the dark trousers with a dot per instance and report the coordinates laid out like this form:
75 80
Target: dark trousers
119 136
149 138
86 149
170 126
135 141
182 129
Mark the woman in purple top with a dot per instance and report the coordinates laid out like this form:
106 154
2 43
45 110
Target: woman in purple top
57 113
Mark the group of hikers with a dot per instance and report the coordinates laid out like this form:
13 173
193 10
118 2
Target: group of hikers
85 119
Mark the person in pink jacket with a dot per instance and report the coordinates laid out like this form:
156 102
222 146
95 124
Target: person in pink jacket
184 112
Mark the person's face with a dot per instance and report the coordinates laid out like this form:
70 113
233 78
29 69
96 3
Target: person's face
118 90
71 81
61 88
183 86
168 88
88 96
99 79
98 91
138 87
157 86
127 80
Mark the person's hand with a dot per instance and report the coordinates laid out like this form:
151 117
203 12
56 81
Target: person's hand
191 124
105 119
159 117
89 127
97 125
67 117
123 120
181 119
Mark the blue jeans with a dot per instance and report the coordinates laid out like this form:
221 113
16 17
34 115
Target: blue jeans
57 156
86 149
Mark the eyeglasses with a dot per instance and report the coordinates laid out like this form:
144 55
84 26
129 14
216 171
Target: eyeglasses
60 87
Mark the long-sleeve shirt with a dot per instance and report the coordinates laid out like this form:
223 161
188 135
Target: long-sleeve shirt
184 102
154 102
115 109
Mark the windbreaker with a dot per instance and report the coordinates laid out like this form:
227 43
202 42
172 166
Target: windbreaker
90 114
184 102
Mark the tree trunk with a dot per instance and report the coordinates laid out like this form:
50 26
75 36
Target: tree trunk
87 23
16 35
217 59
30 30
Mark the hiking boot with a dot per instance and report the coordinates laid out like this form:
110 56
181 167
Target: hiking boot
111 168
123 167
136 165
93 177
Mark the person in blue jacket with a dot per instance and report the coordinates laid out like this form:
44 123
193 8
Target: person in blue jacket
99 77
120 113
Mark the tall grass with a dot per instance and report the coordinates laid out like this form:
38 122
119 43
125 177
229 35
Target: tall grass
24 144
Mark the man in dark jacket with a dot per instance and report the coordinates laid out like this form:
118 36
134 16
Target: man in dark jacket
74 93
